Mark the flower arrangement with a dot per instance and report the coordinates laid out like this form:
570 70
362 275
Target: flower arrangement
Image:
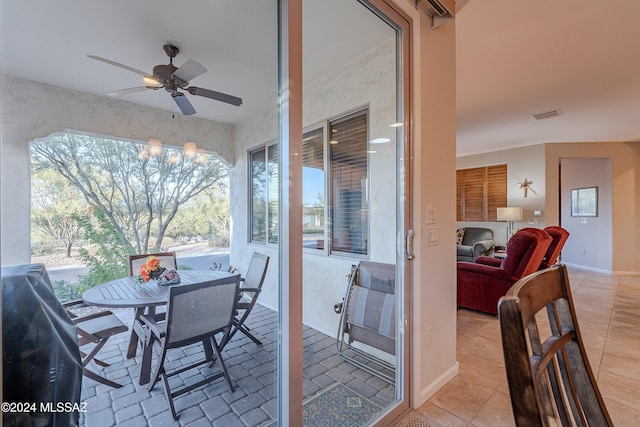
151 268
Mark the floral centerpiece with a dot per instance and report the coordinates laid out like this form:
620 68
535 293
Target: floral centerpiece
151 269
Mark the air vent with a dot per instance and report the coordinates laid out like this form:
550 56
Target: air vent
546 115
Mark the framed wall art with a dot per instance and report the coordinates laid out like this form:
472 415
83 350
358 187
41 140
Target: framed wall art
584 201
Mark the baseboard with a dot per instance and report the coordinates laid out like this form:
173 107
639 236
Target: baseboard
584 267
436 385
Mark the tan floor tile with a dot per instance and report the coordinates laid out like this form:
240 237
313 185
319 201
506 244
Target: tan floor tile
436 415
620 389
496 412
485 347
484 371
621 366
622 415
625 348
462 397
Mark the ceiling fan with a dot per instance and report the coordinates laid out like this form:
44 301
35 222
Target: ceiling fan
173 80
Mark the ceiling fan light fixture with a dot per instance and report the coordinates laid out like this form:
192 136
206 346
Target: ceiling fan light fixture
189 149
151 81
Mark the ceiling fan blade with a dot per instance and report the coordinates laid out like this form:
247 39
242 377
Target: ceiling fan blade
130 90
117 64
183 103
189 70
218 96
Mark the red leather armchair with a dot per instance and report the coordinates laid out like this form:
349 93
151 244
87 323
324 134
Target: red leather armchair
480 286
558 238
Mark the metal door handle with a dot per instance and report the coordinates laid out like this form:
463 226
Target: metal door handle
408 245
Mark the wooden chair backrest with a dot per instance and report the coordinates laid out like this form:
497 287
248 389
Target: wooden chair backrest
550 379
167 260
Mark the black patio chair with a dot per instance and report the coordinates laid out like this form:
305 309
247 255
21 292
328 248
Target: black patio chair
195 313
250 288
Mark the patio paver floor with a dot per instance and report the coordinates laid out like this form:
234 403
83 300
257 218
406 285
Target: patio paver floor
253 372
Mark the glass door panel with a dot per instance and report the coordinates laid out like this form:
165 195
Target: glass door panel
353 180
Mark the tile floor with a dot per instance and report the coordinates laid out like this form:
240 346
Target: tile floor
608 310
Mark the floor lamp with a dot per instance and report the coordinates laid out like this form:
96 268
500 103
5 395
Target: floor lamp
509 214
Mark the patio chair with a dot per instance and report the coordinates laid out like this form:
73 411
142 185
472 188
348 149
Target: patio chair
95 328
368 317
195 313
250 288
550 379
167 260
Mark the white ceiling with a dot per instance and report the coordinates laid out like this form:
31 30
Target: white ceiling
514 58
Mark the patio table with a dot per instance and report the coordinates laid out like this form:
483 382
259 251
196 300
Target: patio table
127 292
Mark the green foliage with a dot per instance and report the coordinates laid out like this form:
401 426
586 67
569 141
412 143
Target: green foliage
66 291
107 254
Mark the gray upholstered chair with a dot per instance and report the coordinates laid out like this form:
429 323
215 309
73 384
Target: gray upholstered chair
475 242
195 313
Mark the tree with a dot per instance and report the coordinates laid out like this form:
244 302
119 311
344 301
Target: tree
138 193
54 203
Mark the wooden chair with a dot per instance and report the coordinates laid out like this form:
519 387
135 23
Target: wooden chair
95 328
250 288
550 379
195 313
167 260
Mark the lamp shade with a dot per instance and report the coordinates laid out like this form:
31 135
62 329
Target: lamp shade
509 214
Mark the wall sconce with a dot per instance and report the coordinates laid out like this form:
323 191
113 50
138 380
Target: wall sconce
509 214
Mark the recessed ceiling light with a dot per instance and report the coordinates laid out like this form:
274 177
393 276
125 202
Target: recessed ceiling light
333 142
371 151
396 125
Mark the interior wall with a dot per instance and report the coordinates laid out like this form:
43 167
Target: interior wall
590 242
433 353
522 163
33 110
625 192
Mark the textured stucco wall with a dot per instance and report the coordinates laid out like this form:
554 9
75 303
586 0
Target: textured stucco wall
368 80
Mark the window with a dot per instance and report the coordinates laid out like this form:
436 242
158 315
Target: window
263 164
342 180
313 194
349 193
479 192
334 168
